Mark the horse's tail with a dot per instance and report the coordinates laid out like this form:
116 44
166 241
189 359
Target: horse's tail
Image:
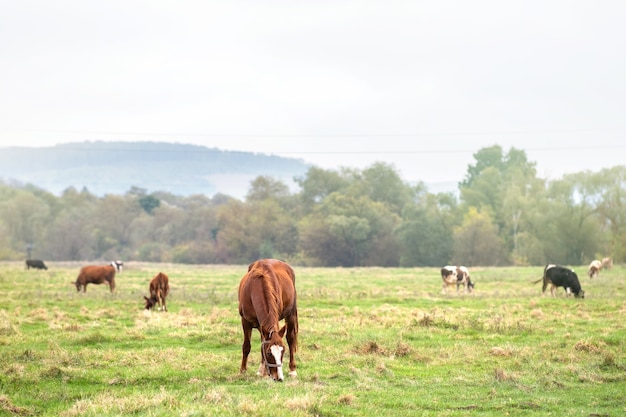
295 325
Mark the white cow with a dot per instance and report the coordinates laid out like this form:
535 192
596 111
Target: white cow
594 268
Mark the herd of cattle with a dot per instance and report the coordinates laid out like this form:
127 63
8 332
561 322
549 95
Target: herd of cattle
553 275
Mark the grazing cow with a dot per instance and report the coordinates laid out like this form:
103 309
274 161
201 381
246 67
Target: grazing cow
159 288
96 274
453 275
607 263
558 276
35 264
594 268
463 278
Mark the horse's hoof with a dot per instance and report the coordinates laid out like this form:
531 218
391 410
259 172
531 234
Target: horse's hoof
293 374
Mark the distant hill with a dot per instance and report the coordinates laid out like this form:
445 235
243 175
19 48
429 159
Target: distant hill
115 167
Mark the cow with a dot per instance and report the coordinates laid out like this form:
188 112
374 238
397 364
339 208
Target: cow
453 275
607 263
594 269
159 288
463 278
35 264
97 274
559 276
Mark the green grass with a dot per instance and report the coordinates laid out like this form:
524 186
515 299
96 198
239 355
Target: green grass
373 341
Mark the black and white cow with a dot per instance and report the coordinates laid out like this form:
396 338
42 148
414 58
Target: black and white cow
35 264
559 276
456 275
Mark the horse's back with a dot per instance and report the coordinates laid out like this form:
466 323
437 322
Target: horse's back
278 266
285 278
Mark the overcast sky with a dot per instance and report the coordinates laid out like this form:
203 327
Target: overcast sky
421 85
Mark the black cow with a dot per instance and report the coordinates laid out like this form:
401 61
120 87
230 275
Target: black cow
559 276
35 264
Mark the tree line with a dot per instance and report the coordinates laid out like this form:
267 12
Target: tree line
502 214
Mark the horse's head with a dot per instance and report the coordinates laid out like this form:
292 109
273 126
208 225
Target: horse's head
150 302
273 350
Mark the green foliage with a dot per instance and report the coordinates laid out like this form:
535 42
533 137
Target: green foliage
373 341
149 203
504 214
476 241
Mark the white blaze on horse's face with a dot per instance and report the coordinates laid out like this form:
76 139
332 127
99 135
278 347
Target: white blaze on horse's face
277 352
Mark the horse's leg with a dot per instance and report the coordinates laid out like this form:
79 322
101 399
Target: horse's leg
245 348
292 341
160 299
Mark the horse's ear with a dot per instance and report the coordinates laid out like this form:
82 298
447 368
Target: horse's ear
281 332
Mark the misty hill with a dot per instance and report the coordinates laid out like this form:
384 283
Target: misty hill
115 167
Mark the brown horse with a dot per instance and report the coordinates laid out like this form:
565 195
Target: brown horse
159 288
267 294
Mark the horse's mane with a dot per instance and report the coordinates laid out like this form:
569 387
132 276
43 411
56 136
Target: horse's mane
270 296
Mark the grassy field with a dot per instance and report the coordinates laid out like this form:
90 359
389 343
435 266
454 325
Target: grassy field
373 341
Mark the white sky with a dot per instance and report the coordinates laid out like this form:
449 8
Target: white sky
418 84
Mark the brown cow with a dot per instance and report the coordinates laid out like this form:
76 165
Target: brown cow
97 274
159 288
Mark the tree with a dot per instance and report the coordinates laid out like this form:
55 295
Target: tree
383 184
263 188
72 227
425 234
113 218
611 210
249 231
148 203
506 187
350 230
319 184
25 217
476 241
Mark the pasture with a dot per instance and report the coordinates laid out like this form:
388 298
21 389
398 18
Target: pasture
372 341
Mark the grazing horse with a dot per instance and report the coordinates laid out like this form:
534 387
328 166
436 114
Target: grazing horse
159 288
267 294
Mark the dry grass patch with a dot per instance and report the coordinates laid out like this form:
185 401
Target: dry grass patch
589 346
217 396
403 349
7 405
498 351
346 399
370 348
106 403
302 403
503 376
